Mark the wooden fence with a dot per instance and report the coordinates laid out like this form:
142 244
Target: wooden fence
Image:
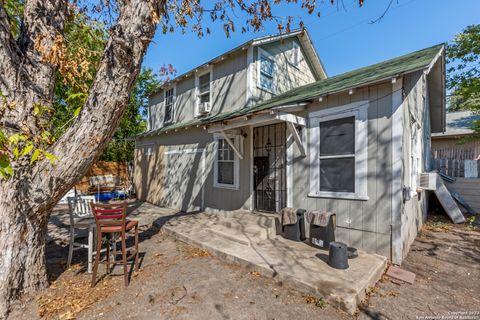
102 168
457 168
453 149
469 189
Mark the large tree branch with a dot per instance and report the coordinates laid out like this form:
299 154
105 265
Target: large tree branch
108 97
34 78
8 53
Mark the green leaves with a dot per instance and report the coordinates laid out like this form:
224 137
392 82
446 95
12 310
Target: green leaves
35 155
463 55
120 147
5 167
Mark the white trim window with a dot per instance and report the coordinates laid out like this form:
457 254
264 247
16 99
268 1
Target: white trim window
415 152
266 71
169 102
338 152
203 83
295 57
226 163
148 150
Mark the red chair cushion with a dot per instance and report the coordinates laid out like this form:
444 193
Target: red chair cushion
129 224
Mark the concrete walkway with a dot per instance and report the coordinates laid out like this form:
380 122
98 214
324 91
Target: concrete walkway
250 240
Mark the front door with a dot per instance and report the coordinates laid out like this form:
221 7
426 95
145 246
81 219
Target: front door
269 158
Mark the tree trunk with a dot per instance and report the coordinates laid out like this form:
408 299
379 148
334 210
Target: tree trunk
27 198
22 240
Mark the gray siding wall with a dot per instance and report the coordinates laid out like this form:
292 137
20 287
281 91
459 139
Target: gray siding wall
363 224
287 76
229 81
415 105
178 177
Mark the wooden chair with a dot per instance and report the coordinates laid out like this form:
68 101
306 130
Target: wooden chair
111 221
81 217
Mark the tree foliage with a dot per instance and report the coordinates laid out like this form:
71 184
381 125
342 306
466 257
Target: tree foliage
121 147
463 55
85 39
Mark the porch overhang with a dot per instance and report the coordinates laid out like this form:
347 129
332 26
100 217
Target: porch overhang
262 118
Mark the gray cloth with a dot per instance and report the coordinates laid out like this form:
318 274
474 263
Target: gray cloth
288 216
319 218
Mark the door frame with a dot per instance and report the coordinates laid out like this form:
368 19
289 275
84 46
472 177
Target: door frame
288 154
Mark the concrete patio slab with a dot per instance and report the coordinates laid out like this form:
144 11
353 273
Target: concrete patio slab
251 240
295 263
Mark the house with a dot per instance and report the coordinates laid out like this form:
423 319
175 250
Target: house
262 127
453 143
456 153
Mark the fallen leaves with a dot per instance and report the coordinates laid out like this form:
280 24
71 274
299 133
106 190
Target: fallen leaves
66 298
437 223
317 302
255 273
193 252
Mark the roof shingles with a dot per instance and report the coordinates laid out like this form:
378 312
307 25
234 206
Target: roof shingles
374 73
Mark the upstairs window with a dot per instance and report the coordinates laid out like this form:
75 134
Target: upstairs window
266 71
169 105
295 58
204 92
204 88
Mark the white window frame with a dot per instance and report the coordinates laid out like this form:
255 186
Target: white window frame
149 118
265 53
415 156
197 89
236 163
359 110
148 149
174 100
295 56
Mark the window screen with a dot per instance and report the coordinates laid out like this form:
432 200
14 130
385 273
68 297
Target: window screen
337 155
295 54
225 163
266 72
169 106
204 88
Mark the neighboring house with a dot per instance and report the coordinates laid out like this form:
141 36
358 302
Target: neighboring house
456 152
267 129
457 142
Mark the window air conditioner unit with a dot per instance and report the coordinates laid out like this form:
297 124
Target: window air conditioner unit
204 108
428 181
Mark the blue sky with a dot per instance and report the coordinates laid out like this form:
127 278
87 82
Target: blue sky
344 38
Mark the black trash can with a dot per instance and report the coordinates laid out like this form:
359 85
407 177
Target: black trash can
321 237
338 255
295 231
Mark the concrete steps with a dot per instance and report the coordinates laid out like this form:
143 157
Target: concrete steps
293 263
263 226
241 237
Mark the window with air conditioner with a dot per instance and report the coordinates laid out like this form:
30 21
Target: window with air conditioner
204 90
169 100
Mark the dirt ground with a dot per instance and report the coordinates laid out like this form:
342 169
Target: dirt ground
178 281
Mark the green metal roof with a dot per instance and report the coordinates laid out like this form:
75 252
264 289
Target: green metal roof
374 73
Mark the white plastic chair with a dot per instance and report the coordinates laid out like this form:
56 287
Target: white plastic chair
81 218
